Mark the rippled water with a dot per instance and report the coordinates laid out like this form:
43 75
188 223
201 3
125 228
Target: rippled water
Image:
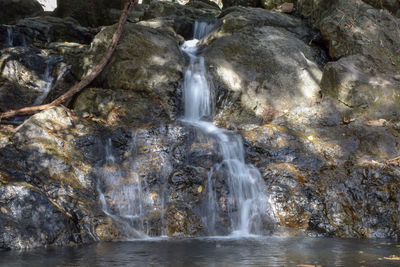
266 251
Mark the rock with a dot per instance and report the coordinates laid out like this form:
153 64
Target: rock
286 6
182 221
178 17
89 13
360 83
345 37
203 4
147 61
14 96
28 219
55 202
325 182
260 66
246 3
38 31
13 10
31 71
122 107
392 5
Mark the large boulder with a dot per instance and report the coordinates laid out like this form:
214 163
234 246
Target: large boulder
260 66
48 196
391 5
370 91
41 30
331 181
13 10
89 13
246 3
32 73
146 61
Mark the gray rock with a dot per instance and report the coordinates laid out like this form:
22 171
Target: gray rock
146 61
89 13
13 10
260 66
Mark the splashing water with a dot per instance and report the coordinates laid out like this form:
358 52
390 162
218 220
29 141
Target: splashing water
247 203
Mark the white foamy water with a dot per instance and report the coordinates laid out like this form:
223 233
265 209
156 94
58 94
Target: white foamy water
247 203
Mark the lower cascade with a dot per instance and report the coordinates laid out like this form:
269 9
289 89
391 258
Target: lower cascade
246 203
128 199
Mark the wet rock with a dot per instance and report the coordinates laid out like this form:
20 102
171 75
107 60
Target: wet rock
13 96
328 181
38 31
12 10
260 66
32 73
47 169
146 61
28 219
182 222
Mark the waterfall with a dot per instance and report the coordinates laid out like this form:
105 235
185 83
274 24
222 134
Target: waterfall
48 80
10 39
247 203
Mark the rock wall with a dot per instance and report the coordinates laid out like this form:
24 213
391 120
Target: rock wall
316 104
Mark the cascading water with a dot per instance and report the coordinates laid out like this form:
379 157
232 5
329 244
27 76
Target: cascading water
247 203
10 39
137 204
122 195
48 79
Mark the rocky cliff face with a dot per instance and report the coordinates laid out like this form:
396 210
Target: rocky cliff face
315 102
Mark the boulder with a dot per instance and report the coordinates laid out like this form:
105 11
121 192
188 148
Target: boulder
13 10
329 181
31 71
245 3
260 66
365 78
392 5
178 17
360 83
89 13
147 61
38 31
121 107
55 202
273 4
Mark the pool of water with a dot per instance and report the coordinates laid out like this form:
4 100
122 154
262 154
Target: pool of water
266 251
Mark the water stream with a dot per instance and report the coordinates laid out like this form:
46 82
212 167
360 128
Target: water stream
126 196
10 39
48 78
247 203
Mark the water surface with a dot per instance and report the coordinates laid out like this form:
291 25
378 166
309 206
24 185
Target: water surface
266 251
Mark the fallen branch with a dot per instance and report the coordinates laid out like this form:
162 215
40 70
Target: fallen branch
128 7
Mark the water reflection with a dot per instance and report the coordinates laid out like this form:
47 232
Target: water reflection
266 251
